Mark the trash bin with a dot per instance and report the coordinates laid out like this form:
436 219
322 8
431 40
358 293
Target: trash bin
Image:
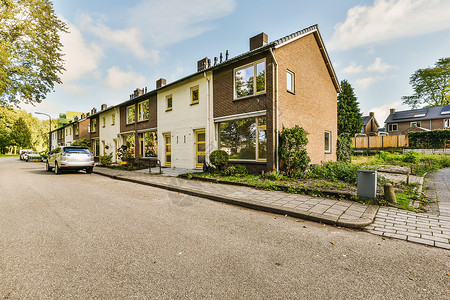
367 184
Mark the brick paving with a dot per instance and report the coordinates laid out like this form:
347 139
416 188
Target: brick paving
432 229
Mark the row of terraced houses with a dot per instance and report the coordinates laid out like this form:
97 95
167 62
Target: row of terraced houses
237 105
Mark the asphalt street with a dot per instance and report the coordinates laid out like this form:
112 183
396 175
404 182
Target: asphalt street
84 236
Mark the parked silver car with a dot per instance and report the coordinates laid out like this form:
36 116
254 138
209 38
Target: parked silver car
70 158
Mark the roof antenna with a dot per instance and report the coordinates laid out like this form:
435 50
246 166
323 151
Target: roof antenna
215 60
226 55
221 57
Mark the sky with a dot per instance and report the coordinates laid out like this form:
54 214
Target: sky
116 46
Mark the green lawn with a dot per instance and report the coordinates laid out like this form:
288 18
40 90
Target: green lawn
9 155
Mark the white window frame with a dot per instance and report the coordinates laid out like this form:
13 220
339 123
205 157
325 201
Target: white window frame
446 123
329 142
292 87
417 124
141 106
126 114
390 127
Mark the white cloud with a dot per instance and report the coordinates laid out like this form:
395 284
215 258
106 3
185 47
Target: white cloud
118 79
80 57
353 68
382 112
170 21
390 19
379 66
364 83
130 38
46 106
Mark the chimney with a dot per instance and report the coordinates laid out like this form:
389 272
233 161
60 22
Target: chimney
93 111
75 119
203 64
83 115
392 111
104 106
372 114
160 83
258 41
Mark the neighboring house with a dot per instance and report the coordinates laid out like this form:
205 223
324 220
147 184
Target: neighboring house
68 134
281 84
94 133
185 127
424 119
109 130
370 125
138 124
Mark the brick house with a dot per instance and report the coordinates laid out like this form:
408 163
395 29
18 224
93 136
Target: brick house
281 84
370 125
424 119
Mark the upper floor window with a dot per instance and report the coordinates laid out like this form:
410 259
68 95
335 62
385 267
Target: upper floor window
113 119
143 109
94 125
250 79
447 123
415 124
131 114
169 102
392 127
194 95
290 81
327 142
103 121
76 129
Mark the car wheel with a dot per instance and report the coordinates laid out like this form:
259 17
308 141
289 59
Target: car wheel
89 170
57 170
47 167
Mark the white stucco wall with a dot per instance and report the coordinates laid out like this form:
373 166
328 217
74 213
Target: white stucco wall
68 135
184 119
109 132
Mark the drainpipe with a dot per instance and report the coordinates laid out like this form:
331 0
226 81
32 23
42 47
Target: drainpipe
208 120
276 104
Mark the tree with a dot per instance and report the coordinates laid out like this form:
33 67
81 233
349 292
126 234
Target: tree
292 151
431 85
21 134
30 50
349 115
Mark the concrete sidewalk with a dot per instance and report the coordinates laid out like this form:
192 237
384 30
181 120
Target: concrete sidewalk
335 212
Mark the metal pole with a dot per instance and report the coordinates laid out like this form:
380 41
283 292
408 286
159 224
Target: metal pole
50 132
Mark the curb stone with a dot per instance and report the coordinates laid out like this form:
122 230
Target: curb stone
366 219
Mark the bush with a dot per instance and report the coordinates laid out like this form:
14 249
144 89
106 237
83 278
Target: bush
237 170
429 139
344 148
335 171
82 143
219 159
124 154
292 151
274 175
106 160
411 157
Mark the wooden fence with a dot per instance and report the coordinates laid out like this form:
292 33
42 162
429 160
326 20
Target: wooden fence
380 142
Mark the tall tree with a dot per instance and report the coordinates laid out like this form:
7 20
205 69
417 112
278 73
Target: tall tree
431 85
21 134
349 115
30 50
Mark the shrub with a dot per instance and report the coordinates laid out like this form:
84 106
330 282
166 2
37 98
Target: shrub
274 175
344 148
335 171
124 154
429 139
411 157
219 159
106 160
237 170
292 151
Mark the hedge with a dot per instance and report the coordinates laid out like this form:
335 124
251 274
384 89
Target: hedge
429 139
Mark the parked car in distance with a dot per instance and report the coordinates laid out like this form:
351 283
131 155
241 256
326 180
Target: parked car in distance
70 158
23 153
33 156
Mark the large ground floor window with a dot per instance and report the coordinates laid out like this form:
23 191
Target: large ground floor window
149 144
244 138
128 140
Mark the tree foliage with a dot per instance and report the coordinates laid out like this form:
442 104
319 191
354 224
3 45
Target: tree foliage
219 159
292 151
344 148
30 50
349 115
433 139
21 134
431 86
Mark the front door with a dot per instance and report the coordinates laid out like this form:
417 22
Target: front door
200 148
167 149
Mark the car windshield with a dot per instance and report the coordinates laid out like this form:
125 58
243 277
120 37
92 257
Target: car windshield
77 150
33 152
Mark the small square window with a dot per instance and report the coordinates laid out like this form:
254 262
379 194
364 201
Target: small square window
393 127
290 81
415 124
327 142
194 94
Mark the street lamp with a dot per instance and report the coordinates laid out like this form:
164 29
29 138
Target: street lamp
50 132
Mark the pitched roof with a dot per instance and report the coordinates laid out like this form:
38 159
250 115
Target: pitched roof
366 120
437 112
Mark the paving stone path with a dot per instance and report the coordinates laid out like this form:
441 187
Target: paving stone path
431 229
